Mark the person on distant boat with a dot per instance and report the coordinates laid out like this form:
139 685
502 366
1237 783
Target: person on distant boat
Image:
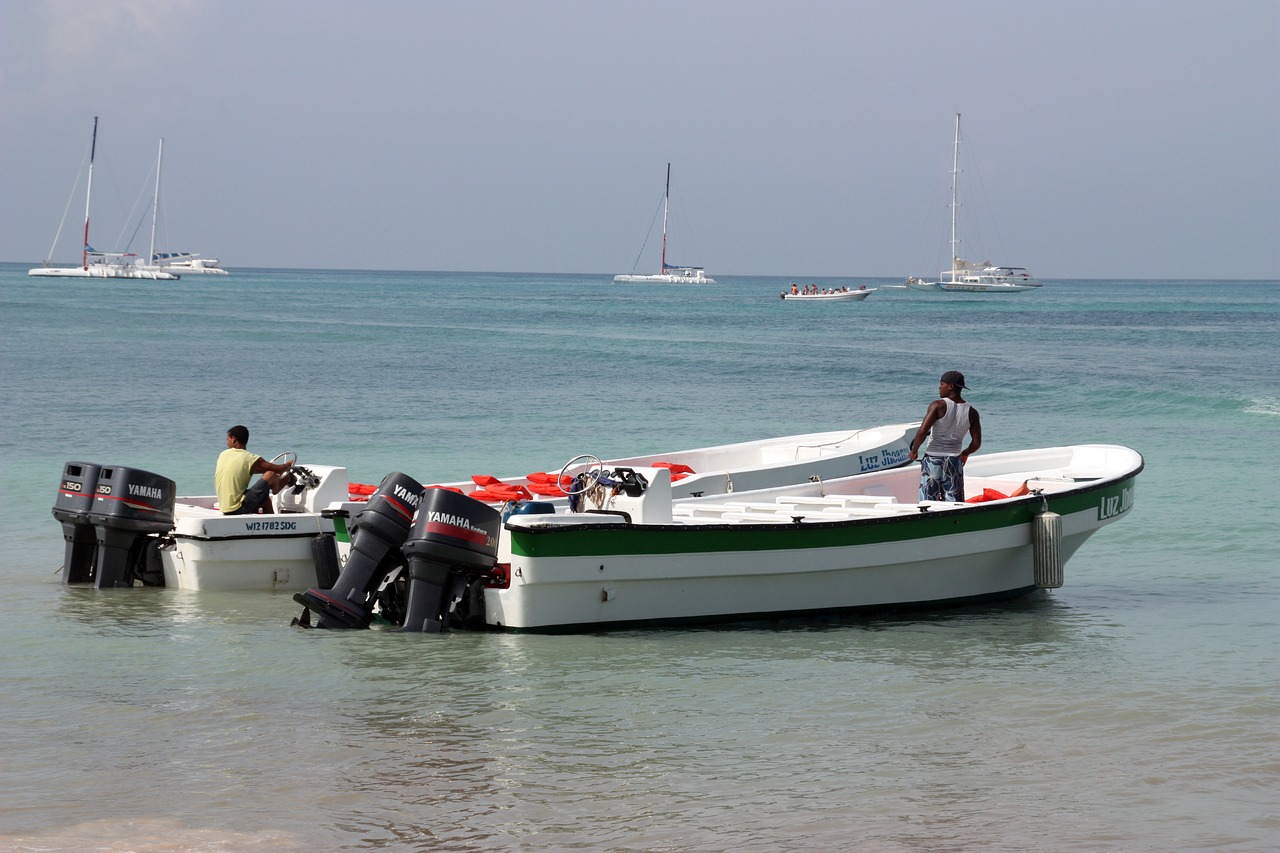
236 466
946 422
794 289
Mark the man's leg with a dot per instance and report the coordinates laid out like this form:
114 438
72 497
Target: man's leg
257 498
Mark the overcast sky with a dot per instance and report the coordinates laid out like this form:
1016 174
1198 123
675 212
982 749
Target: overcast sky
1101 138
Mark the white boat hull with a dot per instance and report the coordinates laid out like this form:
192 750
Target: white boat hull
104 271
244 552
944 287
759 584
781 461
697 277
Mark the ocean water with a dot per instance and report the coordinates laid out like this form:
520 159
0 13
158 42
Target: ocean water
1136 708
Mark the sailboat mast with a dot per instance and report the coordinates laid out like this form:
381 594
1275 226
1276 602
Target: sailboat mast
155 205
88 193
955 176
666 195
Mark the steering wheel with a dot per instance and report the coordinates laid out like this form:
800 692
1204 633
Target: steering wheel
593 472
286 458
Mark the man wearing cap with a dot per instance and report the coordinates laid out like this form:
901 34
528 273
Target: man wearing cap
946 422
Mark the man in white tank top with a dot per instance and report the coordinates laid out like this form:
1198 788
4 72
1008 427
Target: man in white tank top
946 422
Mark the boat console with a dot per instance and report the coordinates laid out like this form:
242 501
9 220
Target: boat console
317 487
641 495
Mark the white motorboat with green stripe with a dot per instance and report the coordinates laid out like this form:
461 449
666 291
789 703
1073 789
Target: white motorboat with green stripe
863 542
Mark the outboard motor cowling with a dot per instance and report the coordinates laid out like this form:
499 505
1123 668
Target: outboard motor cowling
377 532
71 508
130 506
452 535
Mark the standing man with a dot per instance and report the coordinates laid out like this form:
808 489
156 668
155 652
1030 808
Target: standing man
949 418
235 468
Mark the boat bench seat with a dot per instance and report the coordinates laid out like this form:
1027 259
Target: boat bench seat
759 517
785 513
705 510
837 501
734 508
836 512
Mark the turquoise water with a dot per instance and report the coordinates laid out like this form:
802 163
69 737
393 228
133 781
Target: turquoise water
1135 708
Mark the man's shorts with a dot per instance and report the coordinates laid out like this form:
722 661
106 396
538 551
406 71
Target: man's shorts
941 478
254 497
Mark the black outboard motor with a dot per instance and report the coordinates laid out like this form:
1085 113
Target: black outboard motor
71 507
377 533
129 506
452 535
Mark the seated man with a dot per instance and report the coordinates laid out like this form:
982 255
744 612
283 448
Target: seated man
236 466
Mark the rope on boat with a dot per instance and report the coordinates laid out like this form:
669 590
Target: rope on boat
837 442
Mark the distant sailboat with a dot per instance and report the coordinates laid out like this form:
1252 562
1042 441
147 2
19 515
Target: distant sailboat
670 273
94 264
971 276
187 262
175 263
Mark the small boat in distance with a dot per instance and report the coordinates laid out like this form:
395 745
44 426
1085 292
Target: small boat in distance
845 295
971 276
187 262
670 274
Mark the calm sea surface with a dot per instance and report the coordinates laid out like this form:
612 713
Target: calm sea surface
1137 708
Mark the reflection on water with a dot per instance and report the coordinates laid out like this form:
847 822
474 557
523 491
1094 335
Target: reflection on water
742 737
471 738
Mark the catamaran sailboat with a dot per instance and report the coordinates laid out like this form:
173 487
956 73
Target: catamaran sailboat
971 276
94 264
670 274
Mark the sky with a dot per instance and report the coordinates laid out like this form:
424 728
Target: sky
1100 138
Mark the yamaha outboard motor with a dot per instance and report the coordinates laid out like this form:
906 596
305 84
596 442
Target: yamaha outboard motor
377 533
129 506
71 507
452 535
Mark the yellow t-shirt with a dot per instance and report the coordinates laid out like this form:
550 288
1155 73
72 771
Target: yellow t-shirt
231 477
